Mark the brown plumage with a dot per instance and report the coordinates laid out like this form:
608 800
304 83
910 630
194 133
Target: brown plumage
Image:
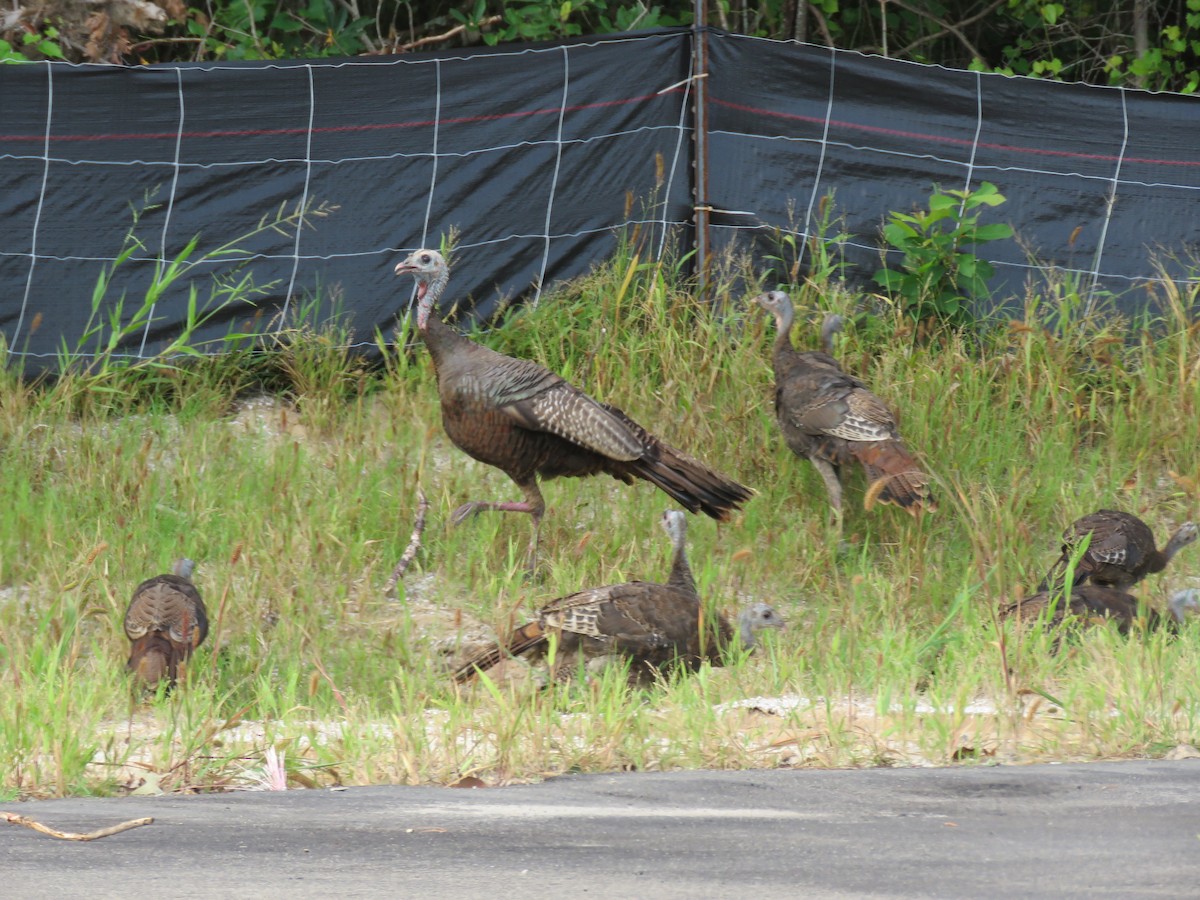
529 423
166 620
657 626
1120 554
1093 604
832 419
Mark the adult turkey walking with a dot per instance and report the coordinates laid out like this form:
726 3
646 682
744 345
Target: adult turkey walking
529 423
166 620
1092 604
1121 551
832 419
657 626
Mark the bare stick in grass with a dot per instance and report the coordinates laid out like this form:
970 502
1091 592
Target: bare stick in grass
320 667
414 544
17 819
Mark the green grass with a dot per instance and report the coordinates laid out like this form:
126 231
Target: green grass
297 505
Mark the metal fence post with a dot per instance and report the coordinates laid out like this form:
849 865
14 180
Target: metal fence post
700 143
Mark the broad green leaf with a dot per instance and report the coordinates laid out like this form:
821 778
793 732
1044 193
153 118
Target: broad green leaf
996 231
898 234
888 279
939 201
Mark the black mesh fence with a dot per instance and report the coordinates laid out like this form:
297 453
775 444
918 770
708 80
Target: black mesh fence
1099 181
308 180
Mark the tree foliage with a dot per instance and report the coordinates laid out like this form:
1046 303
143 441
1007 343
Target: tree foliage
1143 43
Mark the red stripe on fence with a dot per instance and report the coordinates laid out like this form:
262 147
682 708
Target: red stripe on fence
943 139
268 132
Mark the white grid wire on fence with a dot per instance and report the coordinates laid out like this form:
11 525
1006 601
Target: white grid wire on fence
877 147
880 144
1109 203
35 255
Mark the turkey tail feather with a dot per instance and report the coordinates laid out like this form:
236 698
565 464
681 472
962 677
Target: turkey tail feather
690 483
894 477
523 639
687 481
151 658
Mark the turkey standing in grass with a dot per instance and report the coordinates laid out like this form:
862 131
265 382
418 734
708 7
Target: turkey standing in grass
166 620
657 626
1120 554
528 422
832 419
1095 604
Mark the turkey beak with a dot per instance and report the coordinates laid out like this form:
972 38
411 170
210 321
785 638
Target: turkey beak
407 267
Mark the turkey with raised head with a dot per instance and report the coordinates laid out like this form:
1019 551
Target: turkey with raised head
1121 551
1096 604
166 620
529 423
656 626
832 419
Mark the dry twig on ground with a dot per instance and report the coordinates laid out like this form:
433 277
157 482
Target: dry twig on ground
17 819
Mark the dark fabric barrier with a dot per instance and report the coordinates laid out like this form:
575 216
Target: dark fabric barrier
533 154
530 154
1099 181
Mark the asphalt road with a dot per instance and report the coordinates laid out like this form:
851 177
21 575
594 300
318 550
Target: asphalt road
1122 829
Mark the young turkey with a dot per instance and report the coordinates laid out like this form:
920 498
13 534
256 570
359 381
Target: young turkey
1121 551
656 626
832 419
166 620
529 423
1095 604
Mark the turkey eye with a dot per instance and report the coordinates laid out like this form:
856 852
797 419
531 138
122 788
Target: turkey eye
425 258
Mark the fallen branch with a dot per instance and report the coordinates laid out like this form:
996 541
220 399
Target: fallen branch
16 819
445 35
414 544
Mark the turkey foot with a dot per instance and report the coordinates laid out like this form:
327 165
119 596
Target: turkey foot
475 507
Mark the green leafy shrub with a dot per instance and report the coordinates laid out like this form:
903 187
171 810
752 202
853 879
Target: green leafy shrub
939 276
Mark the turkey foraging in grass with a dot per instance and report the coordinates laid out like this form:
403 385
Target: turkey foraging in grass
1121 551
832 419
1093 604
656 626
529 423
1183 602
166 620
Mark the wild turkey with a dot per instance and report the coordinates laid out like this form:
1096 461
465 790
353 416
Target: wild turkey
658 626
832 419
1183 602
166 620
1094 604
1120 554
528 422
